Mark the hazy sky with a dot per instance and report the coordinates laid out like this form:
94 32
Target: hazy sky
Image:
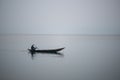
60 16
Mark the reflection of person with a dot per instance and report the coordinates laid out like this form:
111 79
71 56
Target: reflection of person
33 48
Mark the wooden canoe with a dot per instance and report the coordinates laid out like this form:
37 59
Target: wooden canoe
47 50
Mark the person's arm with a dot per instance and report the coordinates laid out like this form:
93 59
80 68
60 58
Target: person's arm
35 47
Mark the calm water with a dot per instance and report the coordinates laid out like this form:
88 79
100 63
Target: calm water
84 58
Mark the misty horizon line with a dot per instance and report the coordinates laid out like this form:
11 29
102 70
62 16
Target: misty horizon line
2 34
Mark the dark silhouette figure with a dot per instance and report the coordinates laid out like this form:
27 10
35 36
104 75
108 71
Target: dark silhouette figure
33 51
33 48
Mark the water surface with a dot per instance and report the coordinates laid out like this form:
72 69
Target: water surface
84 57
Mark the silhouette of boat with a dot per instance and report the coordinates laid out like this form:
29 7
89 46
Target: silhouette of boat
46 51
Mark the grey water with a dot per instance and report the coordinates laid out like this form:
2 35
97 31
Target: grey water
84 57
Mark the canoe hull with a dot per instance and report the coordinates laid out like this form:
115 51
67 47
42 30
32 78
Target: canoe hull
47 51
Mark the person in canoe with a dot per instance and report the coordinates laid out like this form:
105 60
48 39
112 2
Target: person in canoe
33 48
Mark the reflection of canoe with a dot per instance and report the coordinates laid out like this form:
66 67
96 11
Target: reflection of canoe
47 51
